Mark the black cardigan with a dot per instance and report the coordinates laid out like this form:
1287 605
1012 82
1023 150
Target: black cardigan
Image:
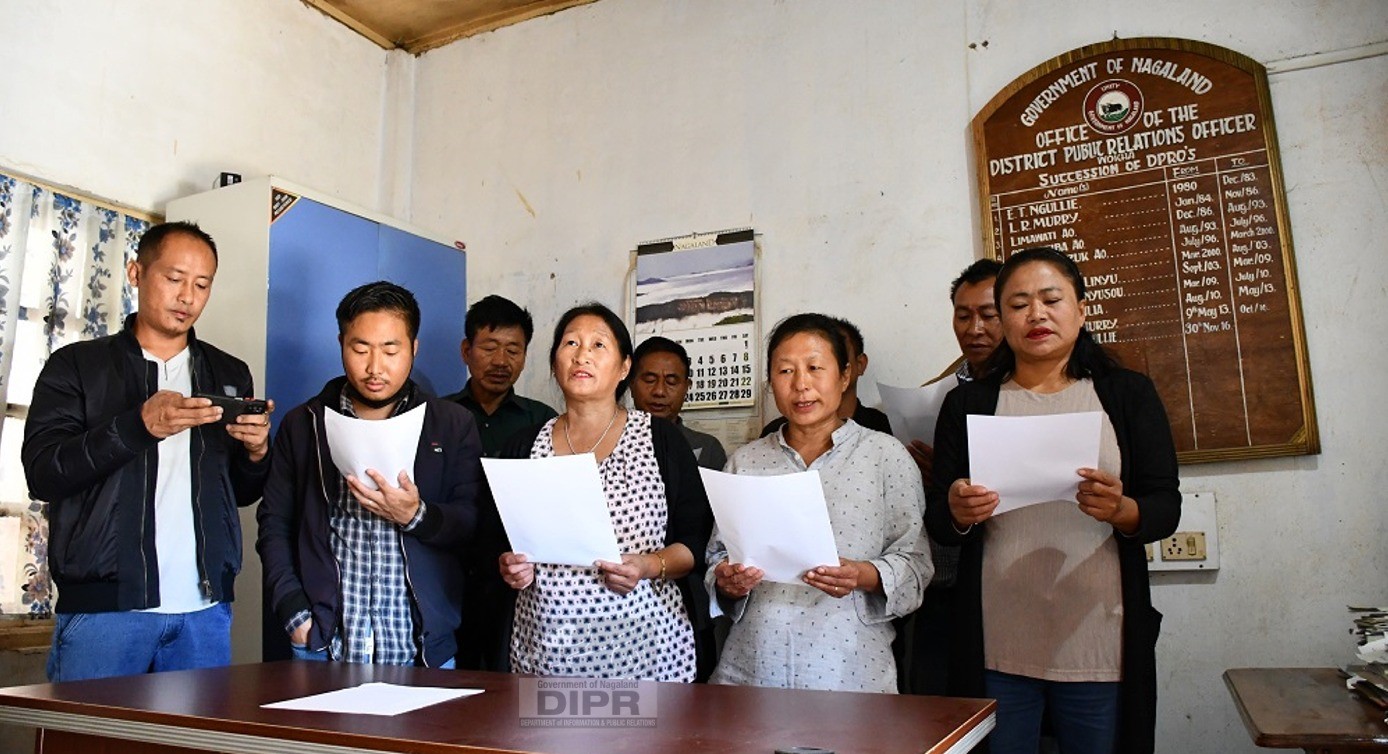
690 523
1149 475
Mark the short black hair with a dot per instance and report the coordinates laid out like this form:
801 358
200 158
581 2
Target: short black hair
829 328
380 296
661 344
853 334
983 269
496 312
152 242
609 318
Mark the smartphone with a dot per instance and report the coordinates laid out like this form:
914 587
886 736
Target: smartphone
234 407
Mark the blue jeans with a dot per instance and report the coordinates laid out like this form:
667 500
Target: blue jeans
321 655
1084 714
101 645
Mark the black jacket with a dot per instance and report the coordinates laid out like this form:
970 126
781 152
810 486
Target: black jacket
1149 475
87 452
301 572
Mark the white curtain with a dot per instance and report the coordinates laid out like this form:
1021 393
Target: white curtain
62 279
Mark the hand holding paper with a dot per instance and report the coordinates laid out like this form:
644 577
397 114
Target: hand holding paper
1032 459
841 580
516 570
386 445
554 509
397 504
779 524
1101 497
736 579
971 504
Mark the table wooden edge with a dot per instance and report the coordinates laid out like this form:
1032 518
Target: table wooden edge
1310 741
241 737
971 733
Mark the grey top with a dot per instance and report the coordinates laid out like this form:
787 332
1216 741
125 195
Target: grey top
795 636
1052 602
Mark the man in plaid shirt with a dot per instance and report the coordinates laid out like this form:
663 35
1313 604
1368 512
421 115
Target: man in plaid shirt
371 573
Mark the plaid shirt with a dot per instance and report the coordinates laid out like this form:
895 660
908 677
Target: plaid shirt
377 624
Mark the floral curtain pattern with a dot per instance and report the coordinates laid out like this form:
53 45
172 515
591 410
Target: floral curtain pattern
62 279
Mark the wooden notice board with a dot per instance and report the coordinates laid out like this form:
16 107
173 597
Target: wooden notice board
1153 163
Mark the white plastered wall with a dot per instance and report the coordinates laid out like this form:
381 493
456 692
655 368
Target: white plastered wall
142 101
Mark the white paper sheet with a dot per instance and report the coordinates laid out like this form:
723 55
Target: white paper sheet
373 699
779 524
554 509
386 445
1032 459
914 410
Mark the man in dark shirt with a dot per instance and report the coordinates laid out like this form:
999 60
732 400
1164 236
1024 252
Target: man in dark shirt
978 331
498 332
851 408
659 384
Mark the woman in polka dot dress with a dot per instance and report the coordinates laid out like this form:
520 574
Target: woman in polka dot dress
612 620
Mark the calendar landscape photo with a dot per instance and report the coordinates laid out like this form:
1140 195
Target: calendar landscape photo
694 289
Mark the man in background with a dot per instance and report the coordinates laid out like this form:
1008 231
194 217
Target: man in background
497 333
142 481
660 382
978 332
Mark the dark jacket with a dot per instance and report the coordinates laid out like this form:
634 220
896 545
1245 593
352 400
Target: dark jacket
1149 475
87 452
301 572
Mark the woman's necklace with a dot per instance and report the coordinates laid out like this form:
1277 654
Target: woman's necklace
610 422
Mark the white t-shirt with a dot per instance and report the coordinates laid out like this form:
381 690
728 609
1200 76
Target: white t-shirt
174 534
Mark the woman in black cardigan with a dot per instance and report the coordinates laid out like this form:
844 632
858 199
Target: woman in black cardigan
1055 615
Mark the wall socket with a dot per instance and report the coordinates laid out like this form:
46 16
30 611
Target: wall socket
1184 545
1195 546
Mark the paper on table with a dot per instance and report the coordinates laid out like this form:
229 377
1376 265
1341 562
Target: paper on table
913 411
373 699
554 509
1032 459
779 524
386 445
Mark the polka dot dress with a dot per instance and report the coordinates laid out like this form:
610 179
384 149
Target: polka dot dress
568 624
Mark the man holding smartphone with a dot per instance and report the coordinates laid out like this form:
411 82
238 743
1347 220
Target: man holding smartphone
143 477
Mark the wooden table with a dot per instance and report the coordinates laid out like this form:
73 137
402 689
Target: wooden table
219 710
1305 708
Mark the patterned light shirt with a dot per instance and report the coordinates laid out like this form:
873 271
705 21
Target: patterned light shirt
377 611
